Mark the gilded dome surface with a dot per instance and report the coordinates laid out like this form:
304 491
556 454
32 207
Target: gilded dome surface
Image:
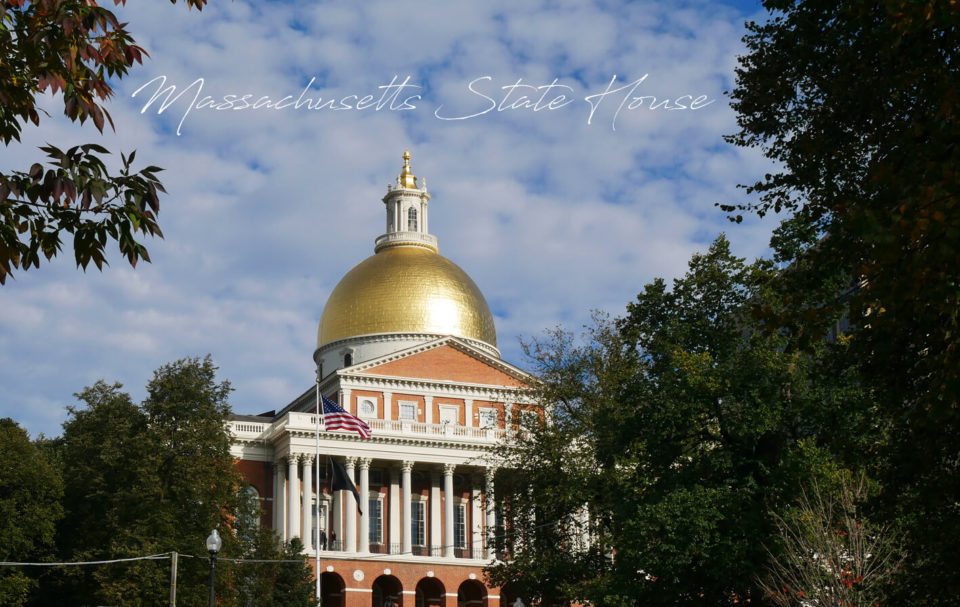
406 289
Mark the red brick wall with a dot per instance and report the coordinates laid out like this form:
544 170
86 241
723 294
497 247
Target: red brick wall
446 363
358 593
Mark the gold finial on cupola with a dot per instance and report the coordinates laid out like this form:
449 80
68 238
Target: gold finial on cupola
406 178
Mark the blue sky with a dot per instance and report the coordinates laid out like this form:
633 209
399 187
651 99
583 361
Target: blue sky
553 212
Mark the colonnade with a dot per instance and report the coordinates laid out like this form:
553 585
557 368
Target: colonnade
291 499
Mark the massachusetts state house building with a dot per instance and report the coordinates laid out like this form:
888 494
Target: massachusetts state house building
407 343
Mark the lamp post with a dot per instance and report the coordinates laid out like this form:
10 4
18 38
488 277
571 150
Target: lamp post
213 547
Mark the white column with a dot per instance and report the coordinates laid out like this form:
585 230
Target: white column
436 537
293 498
507 415
491 513
405 524
307 502
476 517
365 504
428 409
468 412
337 518
394 509
388 406
279 518
448 510
350 532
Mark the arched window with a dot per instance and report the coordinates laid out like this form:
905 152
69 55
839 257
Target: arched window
347 359
412 219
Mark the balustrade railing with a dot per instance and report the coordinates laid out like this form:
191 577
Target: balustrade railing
431 551
307 422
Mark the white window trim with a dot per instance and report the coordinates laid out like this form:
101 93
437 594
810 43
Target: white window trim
488 411
406 403
376 495
422 500
456 412
460 506
362 400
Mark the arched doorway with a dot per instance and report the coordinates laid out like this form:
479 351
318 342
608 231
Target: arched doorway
471 594
508 595
331 590
431 593
387 592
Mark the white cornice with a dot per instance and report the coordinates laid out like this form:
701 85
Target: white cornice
435 387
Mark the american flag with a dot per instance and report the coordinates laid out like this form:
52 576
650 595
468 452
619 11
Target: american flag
335 418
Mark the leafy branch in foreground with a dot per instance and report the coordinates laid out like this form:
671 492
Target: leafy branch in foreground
76 194
70 48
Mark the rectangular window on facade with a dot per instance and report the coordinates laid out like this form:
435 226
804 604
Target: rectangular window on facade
488 418
417 524
408 411
449 415
375 506
459 525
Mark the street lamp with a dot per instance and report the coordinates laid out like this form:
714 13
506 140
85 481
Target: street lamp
213 547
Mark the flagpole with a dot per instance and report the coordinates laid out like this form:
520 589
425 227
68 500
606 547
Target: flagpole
316 536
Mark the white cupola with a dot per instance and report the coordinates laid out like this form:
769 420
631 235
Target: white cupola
407 212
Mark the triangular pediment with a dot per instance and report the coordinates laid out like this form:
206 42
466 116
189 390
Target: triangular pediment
447 359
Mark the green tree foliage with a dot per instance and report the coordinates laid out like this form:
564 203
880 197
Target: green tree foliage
273 584
73 48
858 103
674 433
144 480
30 490
294 583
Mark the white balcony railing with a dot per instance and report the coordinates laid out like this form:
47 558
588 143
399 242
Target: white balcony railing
306 422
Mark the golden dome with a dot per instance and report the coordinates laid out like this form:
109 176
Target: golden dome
406 289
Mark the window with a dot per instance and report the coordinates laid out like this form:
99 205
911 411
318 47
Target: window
347 359
488 418
368 408
417 527
375 504
251 515
459 526
449 415
408 411
412 219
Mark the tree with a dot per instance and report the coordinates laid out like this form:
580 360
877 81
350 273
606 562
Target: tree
675 431
294 583
268 584
30 489
70 47
145 480
857 102
831 556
